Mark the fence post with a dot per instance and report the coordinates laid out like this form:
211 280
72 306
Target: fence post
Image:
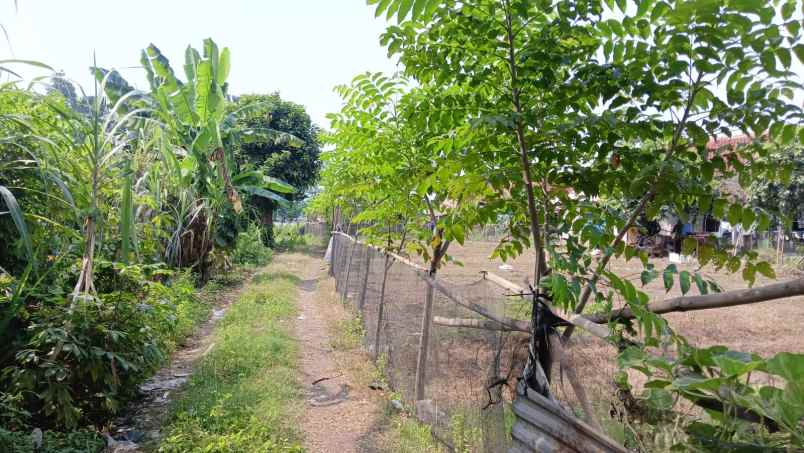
345 292
333 254
364 286
424 343
381 310
492 417
779 246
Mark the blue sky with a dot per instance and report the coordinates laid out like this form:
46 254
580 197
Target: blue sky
301 48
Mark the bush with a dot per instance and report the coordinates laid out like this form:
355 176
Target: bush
290 236
83 441
249 248
77 363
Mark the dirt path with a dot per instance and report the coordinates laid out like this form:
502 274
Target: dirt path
339 410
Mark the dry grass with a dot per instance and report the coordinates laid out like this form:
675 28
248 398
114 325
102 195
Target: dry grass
765 328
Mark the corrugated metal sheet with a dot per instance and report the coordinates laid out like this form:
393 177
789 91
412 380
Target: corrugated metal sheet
543 426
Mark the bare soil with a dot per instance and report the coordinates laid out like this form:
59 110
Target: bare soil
340 410
765 328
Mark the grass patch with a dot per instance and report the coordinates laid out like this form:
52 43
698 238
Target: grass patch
408 435
240 399
348 334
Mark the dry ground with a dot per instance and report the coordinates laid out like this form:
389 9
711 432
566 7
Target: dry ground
340 410
765 328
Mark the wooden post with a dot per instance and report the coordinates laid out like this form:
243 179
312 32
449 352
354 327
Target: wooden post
364 286
493 415
424 344
333 255
779 247
381 310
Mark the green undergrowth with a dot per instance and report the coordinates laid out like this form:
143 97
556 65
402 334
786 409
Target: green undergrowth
240 398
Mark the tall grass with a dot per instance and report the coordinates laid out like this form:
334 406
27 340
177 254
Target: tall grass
240 399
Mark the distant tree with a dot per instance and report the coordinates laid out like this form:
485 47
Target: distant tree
297 166
785 197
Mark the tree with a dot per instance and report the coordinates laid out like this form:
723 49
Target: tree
785 196
570 101
297 165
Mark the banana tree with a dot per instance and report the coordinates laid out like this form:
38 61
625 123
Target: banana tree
192 112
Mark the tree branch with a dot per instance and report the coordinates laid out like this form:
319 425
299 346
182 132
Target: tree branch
718 300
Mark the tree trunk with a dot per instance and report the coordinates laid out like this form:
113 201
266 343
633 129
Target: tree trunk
267 221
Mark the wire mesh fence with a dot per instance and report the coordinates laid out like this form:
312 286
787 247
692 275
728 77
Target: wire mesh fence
461 381
462 389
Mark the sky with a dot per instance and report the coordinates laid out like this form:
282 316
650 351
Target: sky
300 48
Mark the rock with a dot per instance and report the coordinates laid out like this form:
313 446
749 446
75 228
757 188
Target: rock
377 385
396 404
37 439
117 446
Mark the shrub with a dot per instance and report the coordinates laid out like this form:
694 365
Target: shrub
290 236
249 248
82 441
76 363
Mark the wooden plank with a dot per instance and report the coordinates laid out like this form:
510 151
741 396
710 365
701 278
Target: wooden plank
550 417
503 283
532 440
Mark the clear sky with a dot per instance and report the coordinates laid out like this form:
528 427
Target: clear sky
301 48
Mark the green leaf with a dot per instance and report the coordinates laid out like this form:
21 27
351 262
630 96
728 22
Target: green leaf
684 280
701 284
404 7
788 365
798 49
223 66
768 61
733 363
260 192
667 276
648 276
748 218
18 218
735 214
764 268
749 273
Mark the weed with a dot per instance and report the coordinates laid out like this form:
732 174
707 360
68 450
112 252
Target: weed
239 399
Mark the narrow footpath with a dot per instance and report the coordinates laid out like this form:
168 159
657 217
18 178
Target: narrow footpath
340 410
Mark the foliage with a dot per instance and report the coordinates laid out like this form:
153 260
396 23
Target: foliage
277 138
783 196
239 398
77 363
574 120
82 441
292 157
249 248
290 236
99 193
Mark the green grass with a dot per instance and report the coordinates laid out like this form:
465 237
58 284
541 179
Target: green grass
408 435
241 397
